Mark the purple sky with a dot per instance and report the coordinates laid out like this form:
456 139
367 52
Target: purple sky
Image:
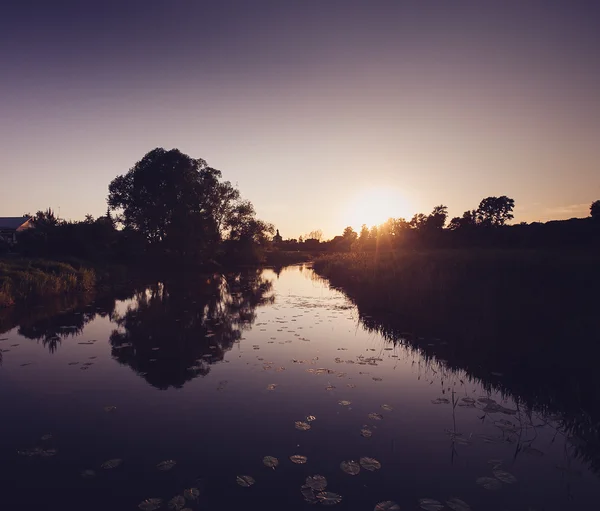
323 111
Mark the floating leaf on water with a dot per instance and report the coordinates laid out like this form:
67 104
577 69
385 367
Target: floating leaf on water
311 418
110 408
245 481
272 386
150 504
88 474
343 402
114 463
440 401
505 477
376 378
330 387
45 437
366 432
370 464
375 416
458 505
317 482
73 363
298 459
176 503
270 461
328 498
387 505
302 426
350 385
191 493
487 400
489 483
350 467
468 400
430 504
387 408
47 453
532 451
166 465
309 494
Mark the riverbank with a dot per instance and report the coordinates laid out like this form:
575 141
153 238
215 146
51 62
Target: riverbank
28 280
466 291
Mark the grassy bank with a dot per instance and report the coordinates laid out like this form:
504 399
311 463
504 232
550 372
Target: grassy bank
467 291
29 280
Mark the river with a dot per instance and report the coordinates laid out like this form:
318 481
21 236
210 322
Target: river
187 391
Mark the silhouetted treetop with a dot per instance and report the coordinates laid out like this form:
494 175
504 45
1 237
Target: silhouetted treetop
495 211
595 210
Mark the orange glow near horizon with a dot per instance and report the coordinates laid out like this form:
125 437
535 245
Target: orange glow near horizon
374 206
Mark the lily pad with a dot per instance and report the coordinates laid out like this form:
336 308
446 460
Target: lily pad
370 464
458 505
245 481
489 483
532 451
176 503
309 494
366 432
505 477
47 453
440 401
430 504
270 461
302 426
272 386
311 418
375 416
166 465
298 459
328 498
191 493
350 467
114 463
387 505
343 402
387 408
150 504
376 378
316 482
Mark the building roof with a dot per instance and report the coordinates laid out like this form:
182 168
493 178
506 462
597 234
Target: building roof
12 222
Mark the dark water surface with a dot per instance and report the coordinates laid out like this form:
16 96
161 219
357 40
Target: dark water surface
214 374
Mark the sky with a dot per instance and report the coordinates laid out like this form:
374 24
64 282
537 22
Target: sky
326 113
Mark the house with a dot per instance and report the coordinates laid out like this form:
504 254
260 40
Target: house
10 226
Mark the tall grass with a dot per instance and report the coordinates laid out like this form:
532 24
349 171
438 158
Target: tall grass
467 289
30 280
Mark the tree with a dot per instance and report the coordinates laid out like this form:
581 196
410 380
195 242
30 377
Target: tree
418 221
315 235
350 234
469 219
437 218
595 210
179 203
495 211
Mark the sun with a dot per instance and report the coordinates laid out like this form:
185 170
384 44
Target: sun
374 206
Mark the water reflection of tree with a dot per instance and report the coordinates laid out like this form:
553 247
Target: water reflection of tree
179 327
63 319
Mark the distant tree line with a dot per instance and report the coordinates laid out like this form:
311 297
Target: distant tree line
168 206
488 225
